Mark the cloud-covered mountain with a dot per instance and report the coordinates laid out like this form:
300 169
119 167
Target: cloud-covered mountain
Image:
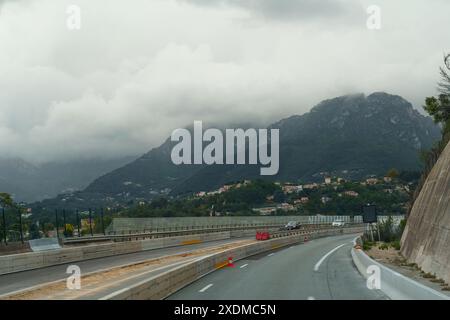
350 136
29 182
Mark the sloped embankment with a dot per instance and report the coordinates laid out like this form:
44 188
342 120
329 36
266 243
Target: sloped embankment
426 240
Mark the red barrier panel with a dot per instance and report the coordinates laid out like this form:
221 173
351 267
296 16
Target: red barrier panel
262 236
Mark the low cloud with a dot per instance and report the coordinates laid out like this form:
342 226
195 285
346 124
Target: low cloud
288 9
136 71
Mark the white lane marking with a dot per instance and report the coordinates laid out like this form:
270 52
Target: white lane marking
98 271
317 266
270 254
206 288
244 265
311 298
115 293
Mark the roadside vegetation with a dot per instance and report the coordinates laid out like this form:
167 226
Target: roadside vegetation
438 107
390 198
386 234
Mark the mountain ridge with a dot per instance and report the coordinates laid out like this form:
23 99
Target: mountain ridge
352 136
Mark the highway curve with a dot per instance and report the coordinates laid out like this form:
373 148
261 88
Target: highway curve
319 269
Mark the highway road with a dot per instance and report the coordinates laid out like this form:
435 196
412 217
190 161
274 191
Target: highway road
317 270
22 280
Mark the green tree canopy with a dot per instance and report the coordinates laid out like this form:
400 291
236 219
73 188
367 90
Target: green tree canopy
439 107
6 200
392 173
444 84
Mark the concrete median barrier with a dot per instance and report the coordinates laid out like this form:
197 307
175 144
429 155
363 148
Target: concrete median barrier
167 283
41 259
395 285
44 244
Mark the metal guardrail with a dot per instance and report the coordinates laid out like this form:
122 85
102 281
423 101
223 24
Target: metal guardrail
160 234
307 231
173 233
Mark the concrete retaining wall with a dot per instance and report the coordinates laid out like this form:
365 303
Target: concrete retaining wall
426 239
395 285
34 260
165 284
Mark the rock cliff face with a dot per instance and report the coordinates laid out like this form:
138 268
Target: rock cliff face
426 240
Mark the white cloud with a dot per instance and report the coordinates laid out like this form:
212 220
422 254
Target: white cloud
137 70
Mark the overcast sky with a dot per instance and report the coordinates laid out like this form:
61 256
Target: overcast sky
138 69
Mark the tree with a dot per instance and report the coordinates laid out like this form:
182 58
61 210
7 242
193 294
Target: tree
278 196
444 84
6 200
439 109
69 230
392 173
34 231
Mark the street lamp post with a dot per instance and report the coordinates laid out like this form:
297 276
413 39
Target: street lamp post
90 222
4 226
21 227
103 225
56 221
64 221
78 224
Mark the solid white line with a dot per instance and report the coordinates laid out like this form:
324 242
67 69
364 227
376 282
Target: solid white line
107 297
316 267
244 265
206 288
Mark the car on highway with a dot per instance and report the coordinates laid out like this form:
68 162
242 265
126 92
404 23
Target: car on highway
291 225
338 223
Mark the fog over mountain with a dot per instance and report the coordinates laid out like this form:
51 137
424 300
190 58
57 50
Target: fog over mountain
351 136
29 182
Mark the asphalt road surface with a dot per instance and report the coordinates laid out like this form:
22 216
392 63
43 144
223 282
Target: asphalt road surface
25 279
317 270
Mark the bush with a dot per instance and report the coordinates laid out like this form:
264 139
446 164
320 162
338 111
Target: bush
389 232
367 245
396 245
383 246
34 232
428 275
402 226
69 230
